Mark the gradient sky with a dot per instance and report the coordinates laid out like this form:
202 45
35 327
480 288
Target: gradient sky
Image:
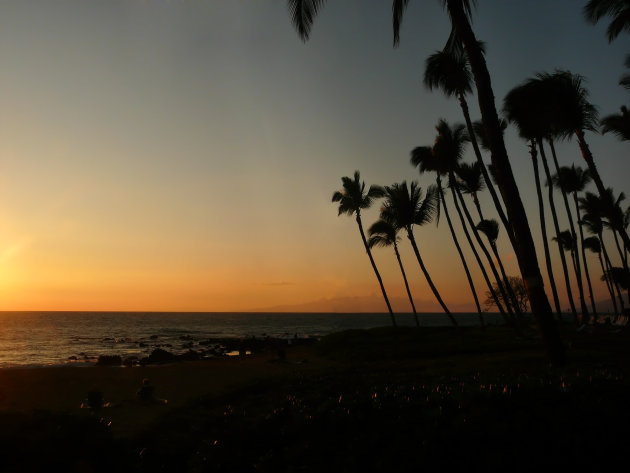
181 155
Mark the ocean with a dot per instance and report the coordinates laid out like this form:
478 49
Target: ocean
34 339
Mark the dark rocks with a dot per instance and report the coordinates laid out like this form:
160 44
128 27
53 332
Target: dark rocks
109 360
161 356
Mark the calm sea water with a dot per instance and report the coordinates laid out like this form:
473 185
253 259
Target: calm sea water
52 338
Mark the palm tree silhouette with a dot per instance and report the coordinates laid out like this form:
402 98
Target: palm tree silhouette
352 199
573 116
425 160
592 244
470 182
593 221
404 207
571 180
522 108
460 12
383 233
448 71
619 10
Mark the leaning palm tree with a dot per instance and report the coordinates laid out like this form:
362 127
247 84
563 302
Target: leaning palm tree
460 13
574 115
571 180
592 244
405 207
448 71
619 10
383 233
425 160
522 108
352 199
593 221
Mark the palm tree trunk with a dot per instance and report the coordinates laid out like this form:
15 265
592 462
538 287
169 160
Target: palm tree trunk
623 260
586 273
402 270
428 278
493 293
588 157
554 214
543 228
459 250
574 253
489 184
609 267
378 275
493 268
523 241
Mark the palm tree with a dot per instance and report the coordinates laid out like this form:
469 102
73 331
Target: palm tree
383 233
352 199
619 124
592 244
470 182
448 71
405 207
574 115
522 109
449 148
593 221
619 10
460 13
490 228
424 158
571 180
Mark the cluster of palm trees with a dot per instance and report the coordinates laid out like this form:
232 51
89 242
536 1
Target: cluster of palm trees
545 108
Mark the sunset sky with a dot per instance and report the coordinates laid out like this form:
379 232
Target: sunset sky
181 155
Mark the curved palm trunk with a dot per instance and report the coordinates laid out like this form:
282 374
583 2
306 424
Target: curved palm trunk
543 227
493 268
378 275
404 275
523 241
574 253
623 260
613 283
428 278
506 280
556 226
459 250
486 176
478 206
588 157
493 293
586 273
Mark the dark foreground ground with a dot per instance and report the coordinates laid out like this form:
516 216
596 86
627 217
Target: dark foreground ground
376 400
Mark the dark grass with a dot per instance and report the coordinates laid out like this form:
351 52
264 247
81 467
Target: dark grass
403 400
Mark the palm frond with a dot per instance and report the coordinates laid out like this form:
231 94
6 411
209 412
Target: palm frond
398 10
592 244
302 14
490 228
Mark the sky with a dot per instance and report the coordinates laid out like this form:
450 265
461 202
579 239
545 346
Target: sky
181 155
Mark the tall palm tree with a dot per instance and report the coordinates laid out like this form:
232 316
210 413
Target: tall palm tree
448 71
592 244
383 233
573 116
593 221
405 207
426 161
571 180
522 109
618 124
352 199
460 13
449 147
619 10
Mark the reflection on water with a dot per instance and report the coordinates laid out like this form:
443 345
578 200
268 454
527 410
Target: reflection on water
51 338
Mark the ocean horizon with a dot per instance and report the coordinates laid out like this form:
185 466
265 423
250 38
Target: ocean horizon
78 338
